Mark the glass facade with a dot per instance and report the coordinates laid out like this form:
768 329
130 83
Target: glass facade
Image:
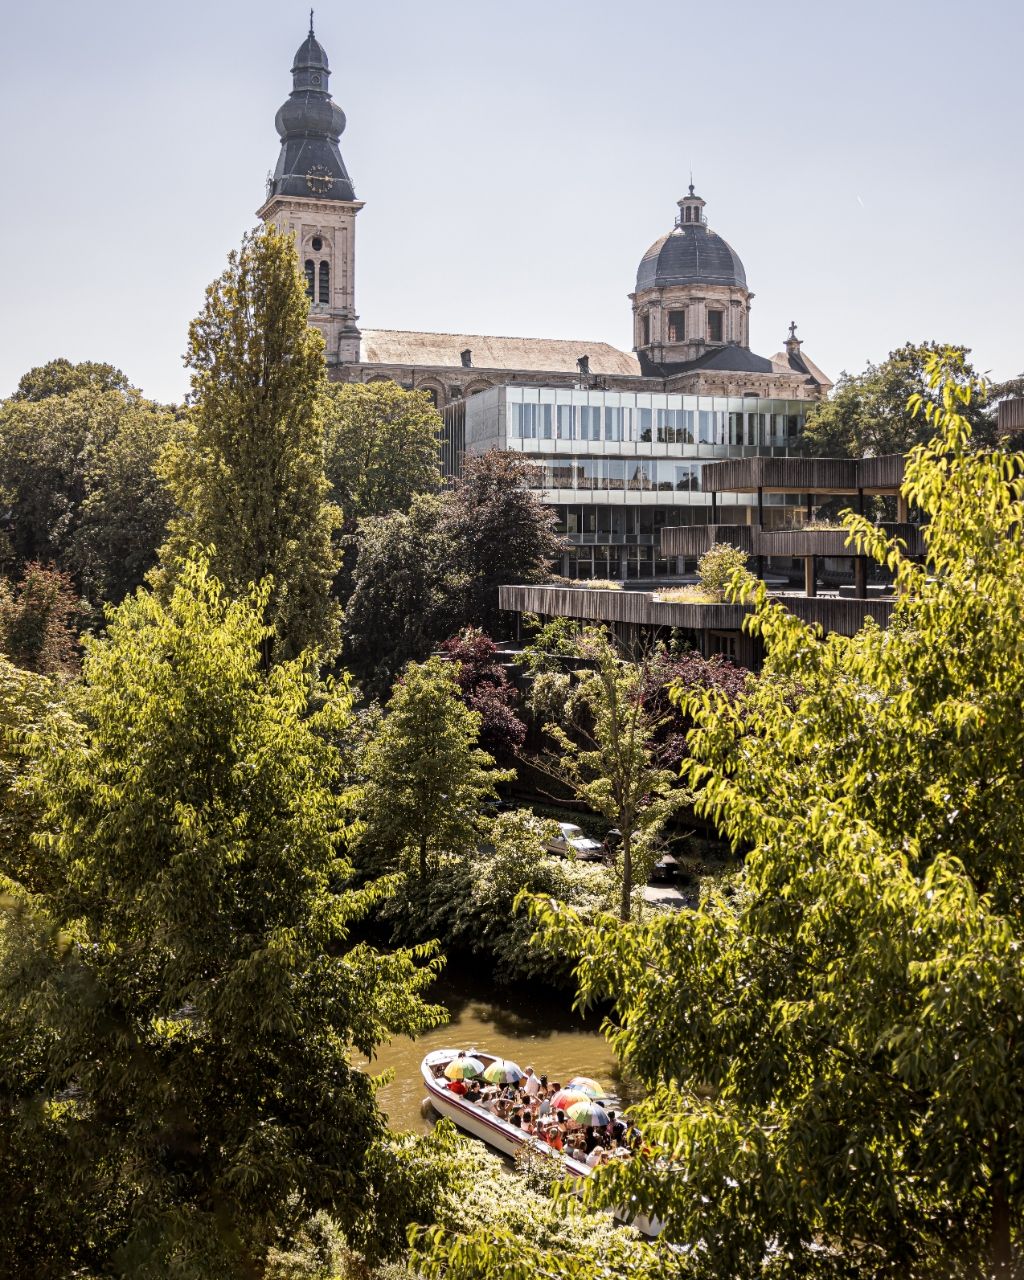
618 466
719 422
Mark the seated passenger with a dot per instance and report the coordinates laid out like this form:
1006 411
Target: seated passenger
457 1086
473 1093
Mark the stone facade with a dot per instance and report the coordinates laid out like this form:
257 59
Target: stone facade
325 237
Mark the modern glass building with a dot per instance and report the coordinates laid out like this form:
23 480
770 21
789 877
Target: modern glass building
617 466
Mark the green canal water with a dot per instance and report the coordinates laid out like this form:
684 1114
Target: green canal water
533 1027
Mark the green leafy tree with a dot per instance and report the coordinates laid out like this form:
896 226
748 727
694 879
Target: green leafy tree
408 592
425 775
78 454
607 755
867 413
249 476
716 567
382 447
179 1001
832 1044
499 530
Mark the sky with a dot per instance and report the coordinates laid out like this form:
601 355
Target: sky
516 161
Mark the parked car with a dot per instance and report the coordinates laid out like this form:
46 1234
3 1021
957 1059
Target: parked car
573 842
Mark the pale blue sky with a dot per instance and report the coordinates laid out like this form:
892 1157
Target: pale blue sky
516 161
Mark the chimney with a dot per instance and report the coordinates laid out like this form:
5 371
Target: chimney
583 364
467 358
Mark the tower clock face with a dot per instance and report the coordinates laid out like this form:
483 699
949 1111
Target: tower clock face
319 180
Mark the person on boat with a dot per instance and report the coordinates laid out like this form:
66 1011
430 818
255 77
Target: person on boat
554 1138
544 1109
531 1085
457 1086
473 1093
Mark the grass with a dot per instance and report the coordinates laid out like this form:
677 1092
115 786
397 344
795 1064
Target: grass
688 595
599 584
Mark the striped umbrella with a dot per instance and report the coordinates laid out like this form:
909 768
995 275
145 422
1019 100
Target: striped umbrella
464 1069
588 1112
503 1072
564 1098
586 1085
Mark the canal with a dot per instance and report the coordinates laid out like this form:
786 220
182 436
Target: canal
529 1024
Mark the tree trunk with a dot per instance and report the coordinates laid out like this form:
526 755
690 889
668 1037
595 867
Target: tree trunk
1003 1260
625 903
423 857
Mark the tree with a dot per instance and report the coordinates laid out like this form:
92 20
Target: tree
500 531
37 616
867 415
486 688
666 672
607 756
717 565
408 592
249 476
382 447
78 454
425 775
832 1046
179 1001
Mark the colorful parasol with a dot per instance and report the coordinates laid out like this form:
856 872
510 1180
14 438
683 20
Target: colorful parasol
464 1069
503 1072
564 1098
587 1085
588 1112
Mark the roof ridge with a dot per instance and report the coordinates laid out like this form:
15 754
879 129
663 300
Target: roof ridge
504 337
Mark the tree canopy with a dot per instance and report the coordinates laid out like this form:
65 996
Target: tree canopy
79 447
248 477
179 993
867 413
381 447
832 1042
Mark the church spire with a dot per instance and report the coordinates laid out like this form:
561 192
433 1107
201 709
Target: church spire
310 125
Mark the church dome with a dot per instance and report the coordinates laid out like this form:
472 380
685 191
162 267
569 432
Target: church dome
691 253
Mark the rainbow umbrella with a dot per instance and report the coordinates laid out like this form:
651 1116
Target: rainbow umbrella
586 1085
464 1069
588 1112
564 1098
503 1072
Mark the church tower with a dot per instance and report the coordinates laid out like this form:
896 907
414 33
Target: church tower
312 196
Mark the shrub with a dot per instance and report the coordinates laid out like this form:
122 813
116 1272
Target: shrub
717 565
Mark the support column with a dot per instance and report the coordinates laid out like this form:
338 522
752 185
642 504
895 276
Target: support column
810 507
714 507
810 576
760 506
860 502
902 509
860 577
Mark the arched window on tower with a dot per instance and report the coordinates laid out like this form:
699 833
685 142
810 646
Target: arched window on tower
325 282
310 278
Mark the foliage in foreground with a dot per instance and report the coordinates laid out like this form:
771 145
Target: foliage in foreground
833 1046
179 993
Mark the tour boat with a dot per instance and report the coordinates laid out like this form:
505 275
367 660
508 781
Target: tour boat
497 1133
477 1121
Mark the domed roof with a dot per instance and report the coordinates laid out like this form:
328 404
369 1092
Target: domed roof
691 254
310 55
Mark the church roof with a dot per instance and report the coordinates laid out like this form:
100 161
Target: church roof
797 362
731 358
538 355
691 254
